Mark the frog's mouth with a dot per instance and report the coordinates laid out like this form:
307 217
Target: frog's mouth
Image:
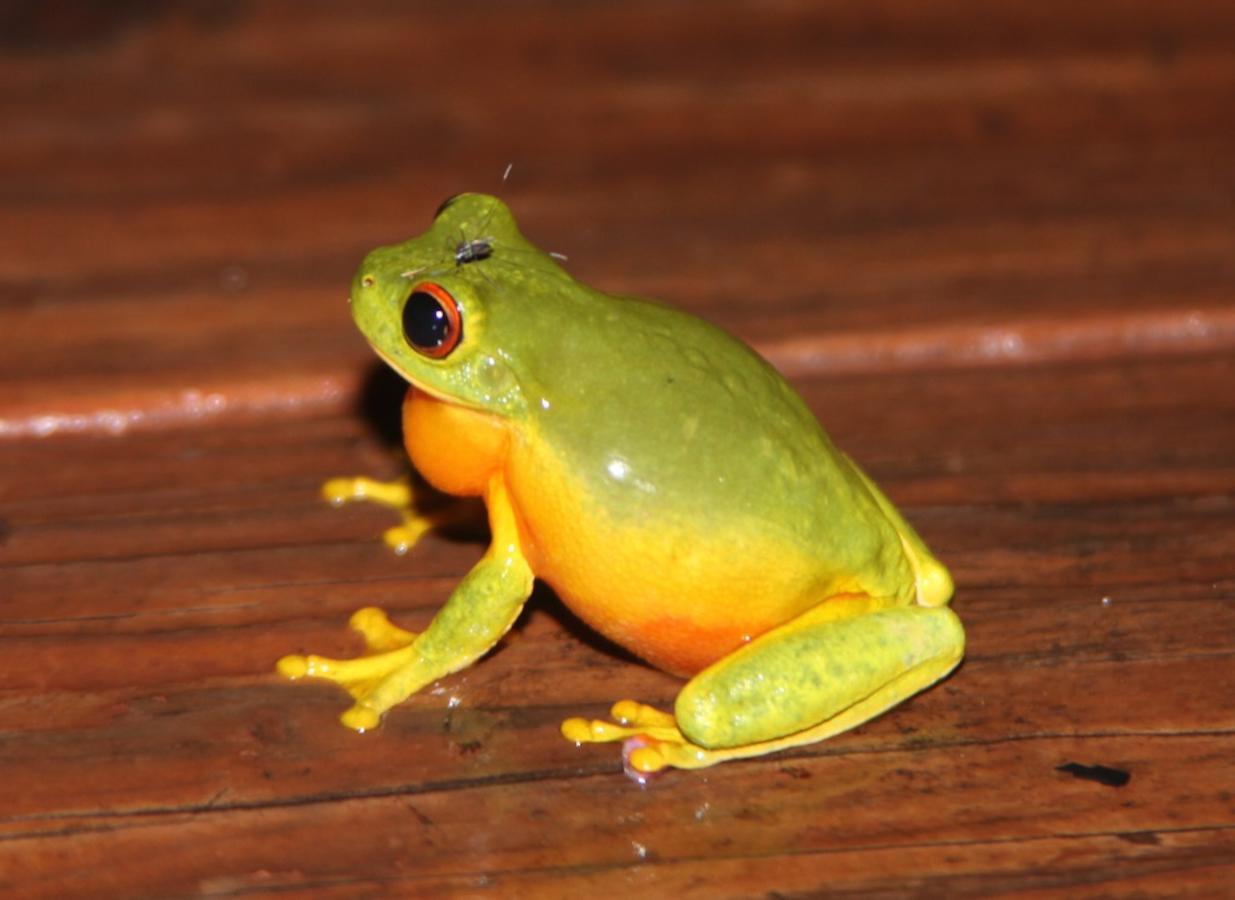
399 370
415 382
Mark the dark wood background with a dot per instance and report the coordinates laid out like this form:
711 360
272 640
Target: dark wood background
993 244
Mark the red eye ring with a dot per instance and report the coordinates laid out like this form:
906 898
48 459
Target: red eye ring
432 320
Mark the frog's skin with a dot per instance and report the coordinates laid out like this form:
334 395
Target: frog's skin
668 484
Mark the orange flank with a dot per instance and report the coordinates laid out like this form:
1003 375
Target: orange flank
457 450
682 647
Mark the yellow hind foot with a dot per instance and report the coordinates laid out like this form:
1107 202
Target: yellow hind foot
388 649
651 739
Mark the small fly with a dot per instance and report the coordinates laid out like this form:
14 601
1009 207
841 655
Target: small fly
476 249
470 250
473 250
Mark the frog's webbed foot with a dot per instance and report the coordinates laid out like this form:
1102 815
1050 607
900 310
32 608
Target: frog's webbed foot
651 739
388 648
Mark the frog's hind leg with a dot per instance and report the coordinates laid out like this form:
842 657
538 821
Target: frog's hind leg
933 581
833 668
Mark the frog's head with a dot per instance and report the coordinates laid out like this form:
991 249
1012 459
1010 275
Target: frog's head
450 310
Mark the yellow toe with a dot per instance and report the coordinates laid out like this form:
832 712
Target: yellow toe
635 714
292 667
401 538
369 617
338 490
577 730
360 718
379 633
646 759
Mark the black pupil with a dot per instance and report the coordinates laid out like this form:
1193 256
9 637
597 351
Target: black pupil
425 323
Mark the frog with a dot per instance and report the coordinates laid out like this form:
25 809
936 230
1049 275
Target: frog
662 478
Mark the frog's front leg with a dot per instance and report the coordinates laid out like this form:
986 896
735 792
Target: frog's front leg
836 666
399 496
480 610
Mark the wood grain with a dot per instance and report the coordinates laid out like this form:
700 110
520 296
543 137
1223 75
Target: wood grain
994 247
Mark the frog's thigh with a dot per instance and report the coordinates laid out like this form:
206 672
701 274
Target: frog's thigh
816 676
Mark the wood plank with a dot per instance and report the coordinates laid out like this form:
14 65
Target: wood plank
858 806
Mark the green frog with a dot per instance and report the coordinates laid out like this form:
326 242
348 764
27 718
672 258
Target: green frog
662 478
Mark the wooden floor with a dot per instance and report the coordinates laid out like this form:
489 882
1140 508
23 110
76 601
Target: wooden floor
993 245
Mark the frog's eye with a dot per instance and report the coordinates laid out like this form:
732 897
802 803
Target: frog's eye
432 321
